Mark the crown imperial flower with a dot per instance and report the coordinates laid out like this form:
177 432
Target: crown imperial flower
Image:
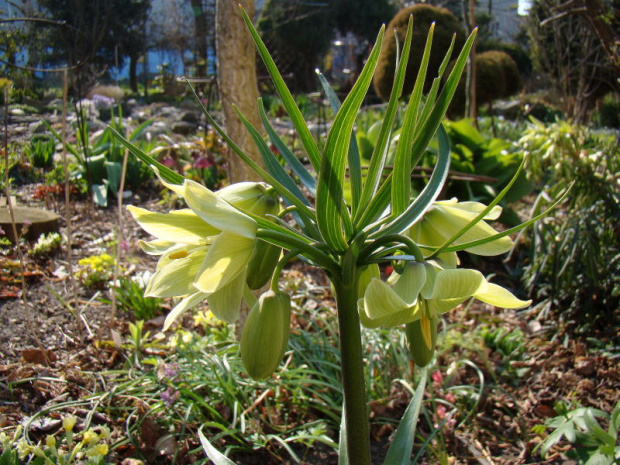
205 248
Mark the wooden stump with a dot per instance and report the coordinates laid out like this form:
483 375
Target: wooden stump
30 222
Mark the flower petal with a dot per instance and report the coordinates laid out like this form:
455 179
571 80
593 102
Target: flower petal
156 247
225 303
381 306
216 211
176 272
185 304
496 295
453 284
227 258
448 221
178 226
410 282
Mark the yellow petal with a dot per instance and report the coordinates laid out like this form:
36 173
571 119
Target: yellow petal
496 295
410 282
185 304
174 276
216 211
447 221
227 258
226 301
156 247
177 226
381 306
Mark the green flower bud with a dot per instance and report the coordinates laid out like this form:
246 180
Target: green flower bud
243 195
265 334
422 338
265 205
262 263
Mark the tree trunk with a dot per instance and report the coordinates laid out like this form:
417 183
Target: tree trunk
237 83
200 24
133 73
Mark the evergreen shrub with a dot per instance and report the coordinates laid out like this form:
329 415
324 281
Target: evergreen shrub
446 24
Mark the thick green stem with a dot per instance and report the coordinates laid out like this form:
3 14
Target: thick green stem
353 381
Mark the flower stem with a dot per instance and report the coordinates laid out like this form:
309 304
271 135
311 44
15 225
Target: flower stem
353 381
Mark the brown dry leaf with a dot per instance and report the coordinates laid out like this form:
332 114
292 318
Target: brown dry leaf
39 356
151 432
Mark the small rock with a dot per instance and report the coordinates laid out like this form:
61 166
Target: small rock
584 366
37 128
190 117
183 128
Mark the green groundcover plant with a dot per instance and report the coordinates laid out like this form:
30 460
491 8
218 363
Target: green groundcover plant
230 242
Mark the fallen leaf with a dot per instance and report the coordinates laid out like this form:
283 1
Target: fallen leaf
39 356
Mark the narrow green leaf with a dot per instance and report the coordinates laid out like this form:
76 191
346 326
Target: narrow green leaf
379 154
343 454
274 168
401 448
166 173
355 167
423 136
296 166
71 148
432 94
401 184
430 125
428 195
216 457
333 217
287 99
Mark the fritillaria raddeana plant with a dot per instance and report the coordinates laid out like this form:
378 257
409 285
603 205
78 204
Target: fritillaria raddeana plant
228 242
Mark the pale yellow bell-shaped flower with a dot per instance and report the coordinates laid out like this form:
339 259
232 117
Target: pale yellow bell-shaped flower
204 249
447 217
424 290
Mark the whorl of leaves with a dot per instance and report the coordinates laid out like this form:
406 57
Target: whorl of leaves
446 24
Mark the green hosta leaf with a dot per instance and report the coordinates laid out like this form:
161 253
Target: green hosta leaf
333 217
401 448
100 194
217 457
287 99
164 172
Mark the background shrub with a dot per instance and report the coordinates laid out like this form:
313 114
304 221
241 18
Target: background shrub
497 76
446 24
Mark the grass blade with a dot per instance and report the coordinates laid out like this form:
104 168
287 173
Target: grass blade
216 457
401 448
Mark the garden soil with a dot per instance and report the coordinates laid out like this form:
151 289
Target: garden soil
59 330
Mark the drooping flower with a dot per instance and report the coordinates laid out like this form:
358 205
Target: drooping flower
205 248
447 217
424 290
